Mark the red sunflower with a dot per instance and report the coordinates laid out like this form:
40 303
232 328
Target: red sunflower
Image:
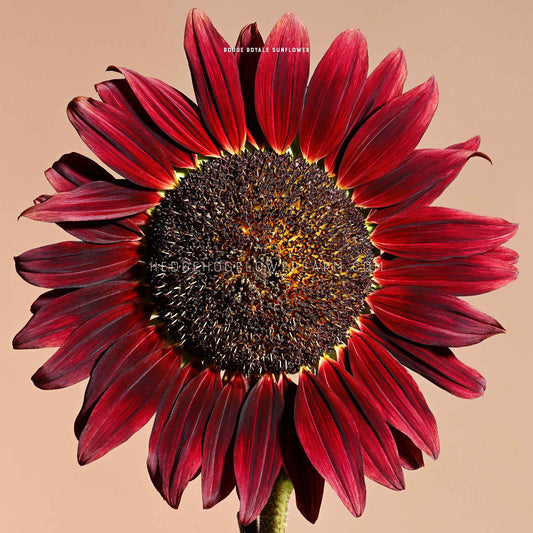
262 271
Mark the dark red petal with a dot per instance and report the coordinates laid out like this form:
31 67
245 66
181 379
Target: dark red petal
76 357
423 176
119 94
329 436
436 233
410 455
424 197
115 361
73 170
40 199
436 363
53 322
127 405
384 84
333 90
393 390
120 142
46 297
380 456
75 264
216 81
103 232
463 276
343 357
281 80
135 273
218 478
427 196
97 200
378 215
180 444
388 136
172 111
185 375
257 453
308 483
247 55
431 317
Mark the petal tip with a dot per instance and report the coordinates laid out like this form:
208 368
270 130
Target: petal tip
433 86
196 15
15 343
482 155
82 460
39 381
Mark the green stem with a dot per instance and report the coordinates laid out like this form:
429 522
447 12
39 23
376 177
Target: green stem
273 518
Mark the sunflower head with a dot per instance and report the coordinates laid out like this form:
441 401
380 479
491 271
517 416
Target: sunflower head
258 262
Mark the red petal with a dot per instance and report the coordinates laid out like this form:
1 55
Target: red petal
381 461
76 357
388 136
281 80
115 361
120 142
308 483
438 364
504 254
257 454
384 84
333 90
424 174
73 170
410 455
329 436
431 317
127 405
463 276
186 374
471 144
436 233
122 230
119 94
218 478
216 81
343 357
425 197
393 390
172 111
135 273
53 322
100 232
75 264
180 443
247 61
97 200
46 297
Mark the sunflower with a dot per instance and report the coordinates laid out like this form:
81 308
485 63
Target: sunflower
262 271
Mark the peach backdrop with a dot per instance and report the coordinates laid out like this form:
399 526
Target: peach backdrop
481 53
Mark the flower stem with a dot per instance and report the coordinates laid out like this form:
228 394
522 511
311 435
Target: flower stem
273 518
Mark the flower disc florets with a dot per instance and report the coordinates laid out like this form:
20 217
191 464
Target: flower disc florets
258 263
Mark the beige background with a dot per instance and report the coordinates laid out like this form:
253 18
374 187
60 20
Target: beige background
480 52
